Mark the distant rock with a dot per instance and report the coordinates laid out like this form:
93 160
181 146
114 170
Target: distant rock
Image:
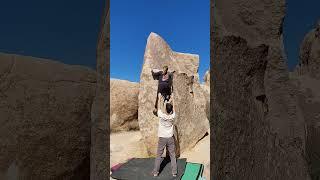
206 78
258 132
123 105
310 54
206 84
206 88
192 123
45 109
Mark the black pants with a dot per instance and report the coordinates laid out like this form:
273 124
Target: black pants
164 88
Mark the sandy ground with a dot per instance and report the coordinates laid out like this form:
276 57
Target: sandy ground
200 154
125 145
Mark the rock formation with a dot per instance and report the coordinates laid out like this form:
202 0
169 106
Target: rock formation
258 132
192 122
206 85
206 88
123 105
45 111
100 140
206 78
307 80
310 54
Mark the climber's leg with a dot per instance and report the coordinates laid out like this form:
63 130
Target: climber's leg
156 103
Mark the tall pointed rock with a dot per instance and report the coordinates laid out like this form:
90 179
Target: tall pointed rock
192 123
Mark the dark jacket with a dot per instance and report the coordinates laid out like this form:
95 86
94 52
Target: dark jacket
164 87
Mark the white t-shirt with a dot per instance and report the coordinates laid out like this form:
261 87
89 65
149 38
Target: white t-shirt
165 124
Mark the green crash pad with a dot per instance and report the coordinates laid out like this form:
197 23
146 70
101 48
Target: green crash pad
193 171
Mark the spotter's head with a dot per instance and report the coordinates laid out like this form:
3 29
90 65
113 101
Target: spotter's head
169 108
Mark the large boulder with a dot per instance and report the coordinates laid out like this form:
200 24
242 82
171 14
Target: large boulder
123 105
307 81
100 141
45 111
192 123
258 132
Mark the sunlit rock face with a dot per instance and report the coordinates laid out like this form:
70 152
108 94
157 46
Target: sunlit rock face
191 122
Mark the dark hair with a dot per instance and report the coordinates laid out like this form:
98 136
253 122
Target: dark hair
169 107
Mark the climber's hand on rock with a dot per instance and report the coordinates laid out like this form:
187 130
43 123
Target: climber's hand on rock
155 70
155 111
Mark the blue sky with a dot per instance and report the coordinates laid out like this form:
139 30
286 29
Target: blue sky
184 25
300 18
67 30
64 30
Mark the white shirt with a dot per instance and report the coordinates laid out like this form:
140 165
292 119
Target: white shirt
165 124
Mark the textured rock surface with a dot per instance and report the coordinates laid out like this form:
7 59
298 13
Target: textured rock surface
206 78
192 124
258 132
310 54
45 111
100 140
206 84
307 81
206 88
124 105
191 121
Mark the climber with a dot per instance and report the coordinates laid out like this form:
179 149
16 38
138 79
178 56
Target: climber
166 137
165 79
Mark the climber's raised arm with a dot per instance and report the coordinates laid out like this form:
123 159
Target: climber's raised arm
171 80
162 107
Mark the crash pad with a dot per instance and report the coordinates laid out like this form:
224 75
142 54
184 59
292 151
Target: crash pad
141 168
193 171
